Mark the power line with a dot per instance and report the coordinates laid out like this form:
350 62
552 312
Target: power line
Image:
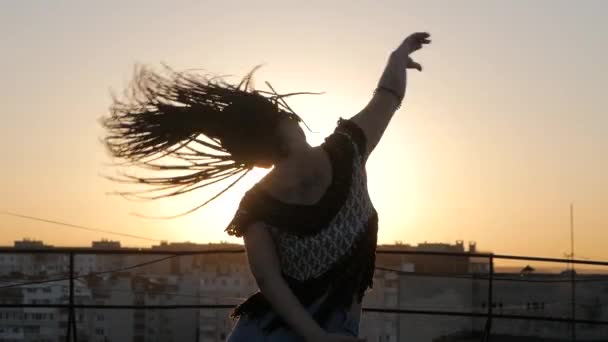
2 212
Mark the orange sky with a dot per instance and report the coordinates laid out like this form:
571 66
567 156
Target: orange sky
503 130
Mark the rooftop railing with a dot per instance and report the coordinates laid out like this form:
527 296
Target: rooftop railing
490 278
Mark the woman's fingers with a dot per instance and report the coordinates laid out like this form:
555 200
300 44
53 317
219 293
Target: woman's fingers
421 40
419 37
415 41
411 64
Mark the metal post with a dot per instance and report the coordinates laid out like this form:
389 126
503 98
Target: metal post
488 328
68 335
71 311
572 276
573 309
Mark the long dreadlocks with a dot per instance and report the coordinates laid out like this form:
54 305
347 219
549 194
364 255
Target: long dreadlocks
211 129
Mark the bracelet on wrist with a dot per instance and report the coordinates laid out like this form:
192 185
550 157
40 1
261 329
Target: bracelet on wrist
392 92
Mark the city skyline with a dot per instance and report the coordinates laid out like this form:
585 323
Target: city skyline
458 246
500 133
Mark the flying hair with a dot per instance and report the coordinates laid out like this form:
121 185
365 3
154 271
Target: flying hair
210 131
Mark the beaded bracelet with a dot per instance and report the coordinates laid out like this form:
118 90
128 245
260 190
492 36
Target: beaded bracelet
393 92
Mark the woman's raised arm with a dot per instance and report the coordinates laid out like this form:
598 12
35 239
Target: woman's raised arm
376 115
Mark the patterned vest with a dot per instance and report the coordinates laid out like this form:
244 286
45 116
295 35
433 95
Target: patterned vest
326 249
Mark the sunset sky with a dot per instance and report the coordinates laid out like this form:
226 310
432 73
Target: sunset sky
505 127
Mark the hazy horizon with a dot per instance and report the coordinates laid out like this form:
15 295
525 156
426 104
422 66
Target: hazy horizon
501 132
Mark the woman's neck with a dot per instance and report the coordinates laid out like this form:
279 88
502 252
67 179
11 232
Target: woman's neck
299 170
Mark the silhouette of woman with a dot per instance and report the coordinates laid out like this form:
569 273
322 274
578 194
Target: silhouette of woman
309 226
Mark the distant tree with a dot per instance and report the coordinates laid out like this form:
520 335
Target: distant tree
527 270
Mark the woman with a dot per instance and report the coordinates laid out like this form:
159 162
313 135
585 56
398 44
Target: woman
309 226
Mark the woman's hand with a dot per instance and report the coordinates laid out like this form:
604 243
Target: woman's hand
329 337
411 44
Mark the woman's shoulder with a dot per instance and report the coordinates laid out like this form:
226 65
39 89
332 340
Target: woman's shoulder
347 136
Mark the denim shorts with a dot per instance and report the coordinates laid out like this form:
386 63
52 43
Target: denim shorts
339 322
